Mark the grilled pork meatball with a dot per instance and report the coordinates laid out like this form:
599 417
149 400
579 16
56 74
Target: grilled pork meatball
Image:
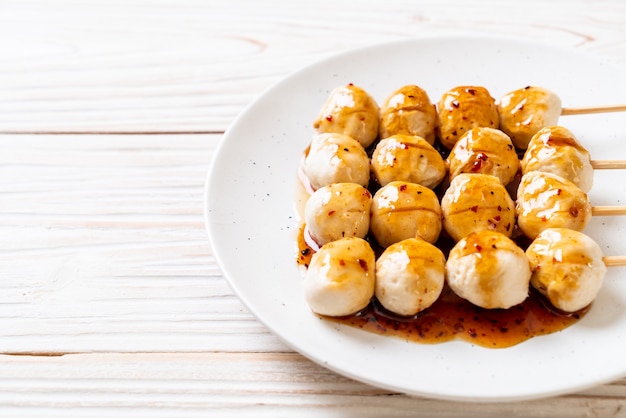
409 276
351 111
407 158
489 270
335 158
408 111
567 268
463 108
525 111
477 202
545 200
554 149
402 210
340 279
336 211
485 151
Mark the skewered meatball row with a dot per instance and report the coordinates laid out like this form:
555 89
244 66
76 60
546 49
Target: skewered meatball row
567 268
485 266
351 111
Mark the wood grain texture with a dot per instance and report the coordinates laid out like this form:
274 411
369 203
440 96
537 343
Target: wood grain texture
111 302
148 66
240 385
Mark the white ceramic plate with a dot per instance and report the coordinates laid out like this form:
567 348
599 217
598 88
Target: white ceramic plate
252 220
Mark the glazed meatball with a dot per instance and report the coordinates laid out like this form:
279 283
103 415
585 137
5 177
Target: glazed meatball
408 111
463 108
554 149
488 269
335 158
407 158
409 276
485 151
567 268
340 279
351 111
545 200
477 202
336 211
525 111
402 210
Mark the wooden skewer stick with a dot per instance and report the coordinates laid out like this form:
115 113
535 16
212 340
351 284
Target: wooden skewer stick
614 260
608 210
608 164
592 109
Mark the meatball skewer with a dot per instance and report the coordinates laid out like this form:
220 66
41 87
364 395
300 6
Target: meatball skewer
524 112
568 267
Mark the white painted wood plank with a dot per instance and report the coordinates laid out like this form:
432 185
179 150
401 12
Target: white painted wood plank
240 385
194 65
103 248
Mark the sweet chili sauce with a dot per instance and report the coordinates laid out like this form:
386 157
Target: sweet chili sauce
451 317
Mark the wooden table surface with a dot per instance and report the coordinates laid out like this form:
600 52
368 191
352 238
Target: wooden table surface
111 303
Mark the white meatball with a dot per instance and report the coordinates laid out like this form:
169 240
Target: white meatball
554 149
545 200
525 111
407 158
402 210
336 211
340 279
489 270
408 111
335 158
567 268
351 111
463 108
409 276
484 151
476 202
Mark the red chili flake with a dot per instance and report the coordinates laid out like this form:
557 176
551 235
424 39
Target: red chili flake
558 192
362 263
342 262
478 247
403 187
329 118
350 84
472 332
499 208
474 208
455 104
497 218
306 251
331 212
574 211
471 91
